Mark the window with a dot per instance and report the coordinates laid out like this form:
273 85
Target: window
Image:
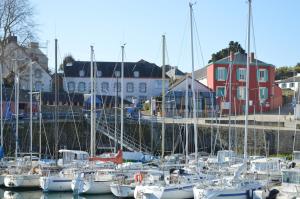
241 93
291 85
221 73
99 73
71 86
143 87
136 73
283 85
81 73
241 74
81 87
38 86
130 87
263 93
158 84
104 87
117 73
220 91
117 86
262 75
38 73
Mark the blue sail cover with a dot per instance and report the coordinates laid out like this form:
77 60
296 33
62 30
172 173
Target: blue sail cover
1 152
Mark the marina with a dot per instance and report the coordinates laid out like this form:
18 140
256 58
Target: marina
124 129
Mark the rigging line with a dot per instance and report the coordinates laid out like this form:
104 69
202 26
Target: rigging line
183 39
198 39
47 142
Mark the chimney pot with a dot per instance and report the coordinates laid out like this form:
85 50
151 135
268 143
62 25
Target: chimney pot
252 57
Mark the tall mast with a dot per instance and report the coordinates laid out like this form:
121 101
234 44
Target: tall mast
56 106
116 115
16 108
247 85
193 85
40 124
230 101
186 119
30 125
1 104
163 97
122 96
92 104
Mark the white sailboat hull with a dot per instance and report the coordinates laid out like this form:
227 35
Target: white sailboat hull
176 191
91 187
122 191
222 193
25 180
55 183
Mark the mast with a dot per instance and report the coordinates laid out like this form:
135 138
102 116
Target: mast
122 96
40 124
186 120
247 85
1 105
92 105
163 97
230 93
193 84
116 115
16 108
56 106
140 131
30 125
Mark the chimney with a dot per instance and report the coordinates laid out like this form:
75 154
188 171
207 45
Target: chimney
12 38
33 45
231 56
252 57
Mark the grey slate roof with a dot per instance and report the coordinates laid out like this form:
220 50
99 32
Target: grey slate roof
145 69
182 79
201 73
240 59
290 79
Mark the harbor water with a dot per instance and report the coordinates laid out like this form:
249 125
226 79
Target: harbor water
38 194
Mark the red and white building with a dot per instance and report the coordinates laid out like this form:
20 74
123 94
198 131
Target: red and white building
264 94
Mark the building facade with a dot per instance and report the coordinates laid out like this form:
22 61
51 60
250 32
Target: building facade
264 94
292 83
142 79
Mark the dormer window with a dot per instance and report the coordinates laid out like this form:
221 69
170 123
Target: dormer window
99 73
136 73
81 73
38 73
117 73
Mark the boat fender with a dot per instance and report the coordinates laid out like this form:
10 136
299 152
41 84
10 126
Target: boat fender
273 194
138 177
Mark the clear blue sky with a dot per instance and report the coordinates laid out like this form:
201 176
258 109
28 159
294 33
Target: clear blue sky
107 24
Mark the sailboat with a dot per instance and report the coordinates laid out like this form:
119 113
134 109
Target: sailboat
25 174
234 186
178 183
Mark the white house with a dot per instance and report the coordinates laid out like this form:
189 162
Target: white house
292 83
41 80
142 79
180 85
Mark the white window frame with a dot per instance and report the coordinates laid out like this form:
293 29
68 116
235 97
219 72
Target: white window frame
242 92
240 74
117 86
99 73
81 87
217 87
143 87
117 73
221 73
136 73
130 87
38 73
262 79
69 86
265 94
81 73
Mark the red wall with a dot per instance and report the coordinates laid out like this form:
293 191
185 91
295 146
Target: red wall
274 92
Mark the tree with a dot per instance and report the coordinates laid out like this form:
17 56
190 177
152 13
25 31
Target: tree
68 59
233 46
16 19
